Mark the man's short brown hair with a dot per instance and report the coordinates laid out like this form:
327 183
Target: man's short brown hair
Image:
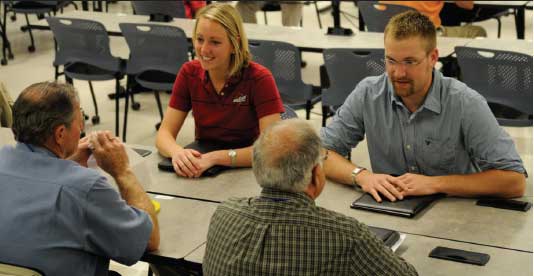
409 24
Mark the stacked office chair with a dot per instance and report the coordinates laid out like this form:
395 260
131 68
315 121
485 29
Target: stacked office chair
503 78
345 68
6 46
376 15
283 60
161 8
38 8
83 51
15 270
156 54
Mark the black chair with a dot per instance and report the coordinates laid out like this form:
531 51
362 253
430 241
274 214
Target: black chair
83 51
38 8
156 54
159 8
345 68
503 78
376 15
6 46
288 113
270 6
283 60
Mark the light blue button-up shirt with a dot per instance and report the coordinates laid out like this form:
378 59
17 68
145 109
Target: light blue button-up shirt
453 132
64 219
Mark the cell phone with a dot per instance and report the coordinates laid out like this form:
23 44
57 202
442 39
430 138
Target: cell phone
509 204
142 152
458 255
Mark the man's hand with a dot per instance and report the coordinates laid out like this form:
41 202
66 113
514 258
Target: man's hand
186 163
389 186
109 153
418 185
82 153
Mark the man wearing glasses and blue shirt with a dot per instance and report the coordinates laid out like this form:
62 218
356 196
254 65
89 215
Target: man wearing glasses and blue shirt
434 132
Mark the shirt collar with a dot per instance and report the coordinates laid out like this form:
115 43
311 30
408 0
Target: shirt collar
33 148
432 101
279 195
205 77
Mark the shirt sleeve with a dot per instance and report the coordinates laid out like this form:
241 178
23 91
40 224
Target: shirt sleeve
372 257
266 98
115 229
181 96
488 144
347 128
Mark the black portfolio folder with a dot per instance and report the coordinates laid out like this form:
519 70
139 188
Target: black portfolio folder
408 207
202 147
389 237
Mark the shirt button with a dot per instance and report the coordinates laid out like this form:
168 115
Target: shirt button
222 93
408 146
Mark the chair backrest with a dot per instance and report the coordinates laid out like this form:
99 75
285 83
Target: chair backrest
346 68
14 270
283 60
289 113
173 8
376 15
502 77
80 40
155 47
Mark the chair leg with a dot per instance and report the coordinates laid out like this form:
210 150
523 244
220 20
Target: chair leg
160 109
31 48
265 17
117 98
308 109
95 119
326 111
498 27
126 99
318 14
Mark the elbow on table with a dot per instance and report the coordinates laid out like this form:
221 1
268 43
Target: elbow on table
516 186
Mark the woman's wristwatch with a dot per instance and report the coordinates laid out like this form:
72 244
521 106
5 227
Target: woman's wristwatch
232 154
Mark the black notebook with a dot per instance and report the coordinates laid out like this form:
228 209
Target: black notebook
408 207
389 237
202 147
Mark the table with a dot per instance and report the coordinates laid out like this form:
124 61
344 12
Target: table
520 46
306 39
181 232
445 219
519 12
415 250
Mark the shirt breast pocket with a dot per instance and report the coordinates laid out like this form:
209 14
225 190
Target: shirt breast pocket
438 156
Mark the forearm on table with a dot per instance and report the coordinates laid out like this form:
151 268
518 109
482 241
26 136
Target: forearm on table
242 159
166 144
134 195
337 168
497 183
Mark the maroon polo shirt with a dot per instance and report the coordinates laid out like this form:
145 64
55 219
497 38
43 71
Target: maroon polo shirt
233 116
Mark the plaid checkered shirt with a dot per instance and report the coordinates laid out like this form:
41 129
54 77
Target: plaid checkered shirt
284 233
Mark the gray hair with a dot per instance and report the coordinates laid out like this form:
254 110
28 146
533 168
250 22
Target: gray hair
40 108
284 155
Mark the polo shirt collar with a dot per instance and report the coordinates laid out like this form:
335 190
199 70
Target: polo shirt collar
432 101
33 148
279 195
205 77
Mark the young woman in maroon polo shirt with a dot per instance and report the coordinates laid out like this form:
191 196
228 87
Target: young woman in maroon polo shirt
232 98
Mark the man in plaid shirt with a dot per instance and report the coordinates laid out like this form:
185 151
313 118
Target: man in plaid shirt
282 232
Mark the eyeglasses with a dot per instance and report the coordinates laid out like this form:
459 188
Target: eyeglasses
408 63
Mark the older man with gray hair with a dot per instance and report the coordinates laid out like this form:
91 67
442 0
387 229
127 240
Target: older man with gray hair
282 232
63 218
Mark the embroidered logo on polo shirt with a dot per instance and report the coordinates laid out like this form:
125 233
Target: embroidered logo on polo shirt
240 99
